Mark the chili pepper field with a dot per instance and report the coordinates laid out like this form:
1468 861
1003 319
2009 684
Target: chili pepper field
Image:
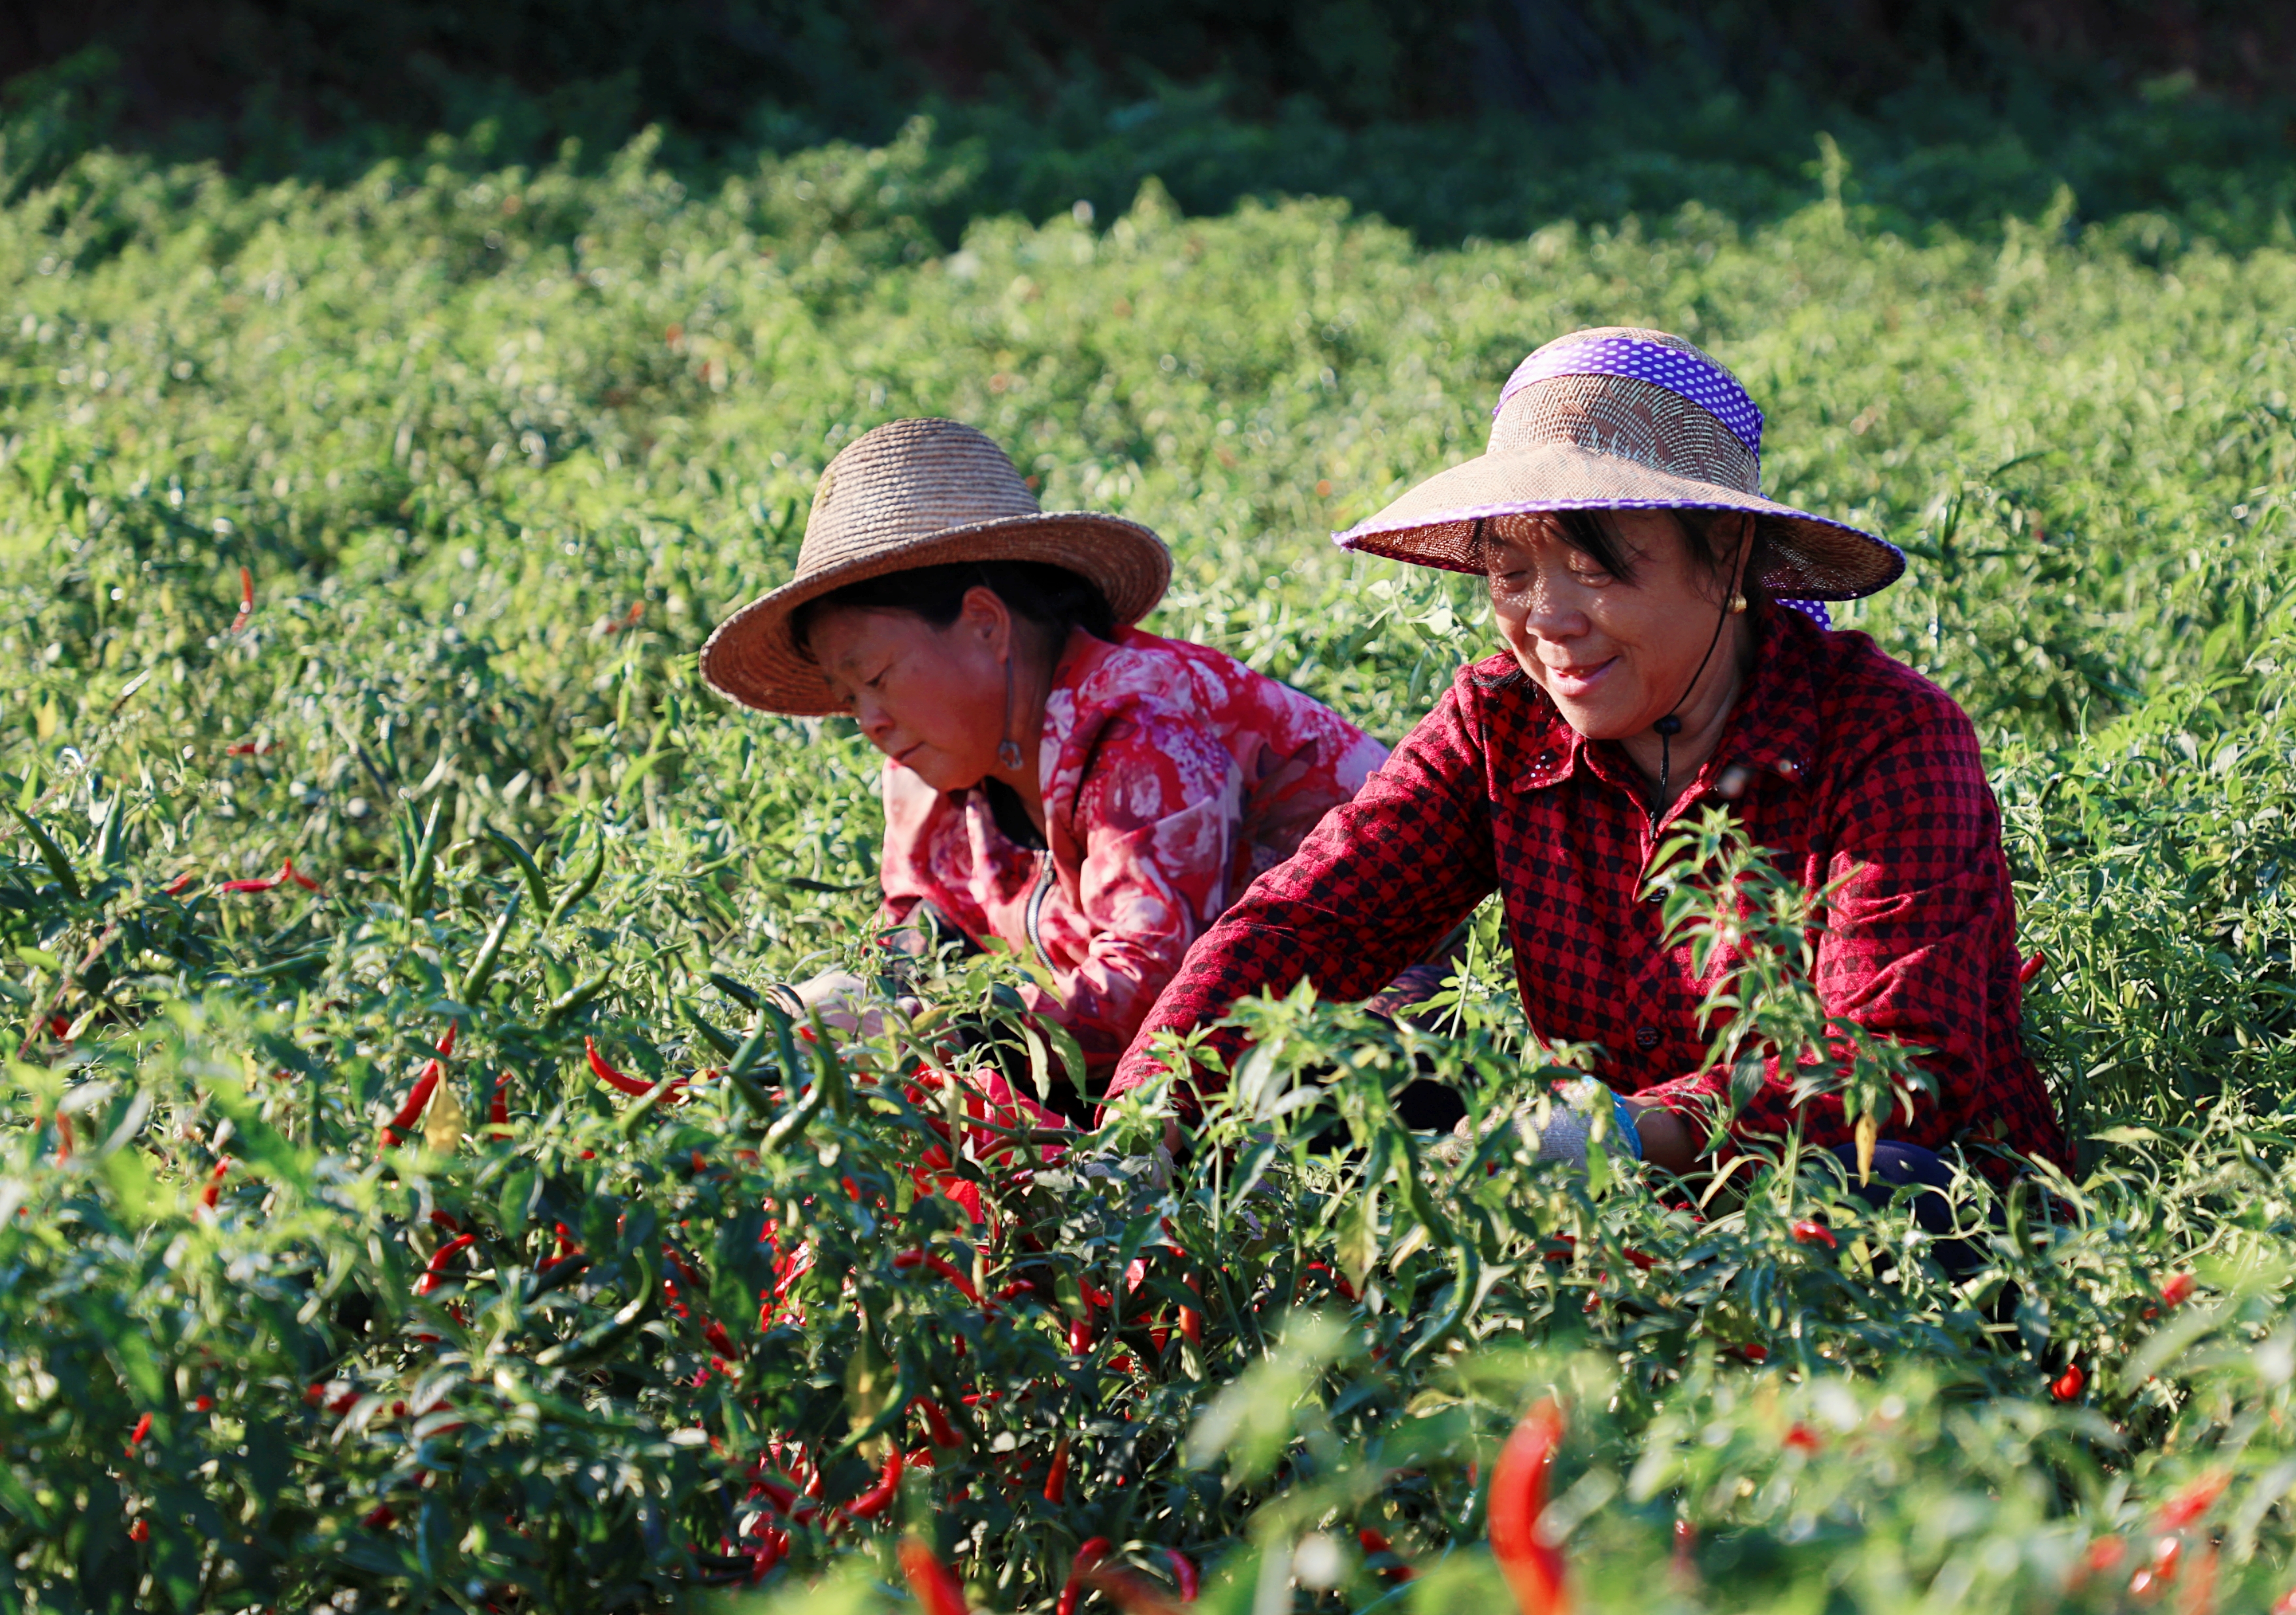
406 1204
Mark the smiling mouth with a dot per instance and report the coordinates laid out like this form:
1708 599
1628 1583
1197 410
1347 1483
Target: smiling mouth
1573 681
904 755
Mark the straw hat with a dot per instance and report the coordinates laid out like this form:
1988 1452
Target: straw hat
910 494
1621 419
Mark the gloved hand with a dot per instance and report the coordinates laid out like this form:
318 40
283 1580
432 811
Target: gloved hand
833 995
1568 1132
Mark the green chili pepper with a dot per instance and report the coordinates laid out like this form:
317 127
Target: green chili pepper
526 869
414 887
583 884
600 1337
574 998
483 968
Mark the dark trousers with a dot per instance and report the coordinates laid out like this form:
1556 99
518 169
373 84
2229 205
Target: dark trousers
1899 1166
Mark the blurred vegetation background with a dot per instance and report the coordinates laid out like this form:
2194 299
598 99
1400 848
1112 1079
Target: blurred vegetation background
1452 118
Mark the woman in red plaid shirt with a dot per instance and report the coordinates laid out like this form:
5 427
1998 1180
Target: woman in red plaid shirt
1667 651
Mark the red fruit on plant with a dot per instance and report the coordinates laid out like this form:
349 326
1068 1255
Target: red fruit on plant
2193 1501
1086 1560
2033 965
2070 1383
932 1584
140 1531
2160 1570
1056 1481
1183 1574
879 1497
2178 1290
142 1429
1533 1566
1815 1234
1374 1544
1803 1440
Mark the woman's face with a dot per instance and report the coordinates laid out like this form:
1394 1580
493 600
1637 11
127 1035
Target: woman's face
1615 657
930 698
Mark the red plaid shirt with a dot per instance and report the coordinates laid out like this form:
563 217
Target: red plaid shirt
1852 761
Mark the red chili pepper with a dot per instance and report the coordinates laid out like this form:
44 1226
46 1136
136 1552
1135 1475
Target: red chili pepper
1094 1296
142 1429
202 1405
2287 1604
879 1497
1802 1438
2033 965
942 1265
1191 1321
287 872
1753 1352
498 1112
1132 1594
1086 1560
2195 1500
2178 1290
1374 1543
1056 1482
445 1253
1534 1568
245 749
938 1430
2105 1553
1081 1335
246 599
932 1584
612 1078
1685 1551
380 1517
140 1531
2069 1384
719 1340
1815 1234
1018 1287
181 883
214 1190
2168 1554
1183 1574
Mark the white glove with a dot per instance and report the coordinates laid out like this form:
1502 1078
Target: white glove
1569 1127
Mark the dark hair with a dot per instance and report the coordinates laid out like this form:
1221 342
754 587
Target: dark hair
1585 532
1052 597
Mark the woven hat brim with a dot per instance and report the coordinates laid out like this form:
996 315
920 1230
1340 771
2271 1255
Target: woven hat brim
754 659
1815 557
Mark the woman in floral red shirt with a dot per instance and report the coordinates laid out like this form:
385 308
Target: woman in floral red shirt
1651 671
1055 779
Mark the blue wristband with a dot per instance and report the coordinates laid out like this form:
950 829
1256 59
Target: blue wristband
1629 1134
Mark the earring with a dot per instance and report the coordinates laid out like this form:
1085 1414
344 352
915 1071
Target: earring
1737 604
1008 750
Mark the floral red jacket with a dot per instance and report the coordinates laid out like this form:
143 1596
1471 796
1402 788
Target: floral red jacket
1172 775
1846 763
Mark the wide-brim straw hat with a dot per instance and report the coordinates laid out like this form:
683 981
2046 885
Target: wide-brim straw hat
910 494
1622 418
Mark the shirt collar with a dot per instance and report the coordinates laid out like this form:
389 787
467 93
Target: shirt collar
1773 728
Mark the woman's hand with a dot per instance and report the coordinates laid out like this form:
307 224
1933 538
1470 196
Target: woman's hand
833 996
1668 1140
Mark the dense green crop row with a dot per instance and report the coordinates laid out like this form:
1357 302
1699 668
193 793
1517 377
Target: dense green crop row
496 451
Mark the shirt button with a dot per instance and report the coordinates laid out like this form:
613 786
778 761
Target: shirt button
1646 1038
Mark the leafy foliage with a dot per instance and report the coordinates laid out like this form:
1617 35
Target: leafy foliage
494 449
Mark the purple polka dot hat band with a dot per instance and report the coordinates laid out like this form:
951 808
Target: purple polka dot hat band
1685 374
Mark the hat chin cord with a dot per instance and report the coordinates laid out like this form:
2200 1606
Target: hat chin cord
1668 727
